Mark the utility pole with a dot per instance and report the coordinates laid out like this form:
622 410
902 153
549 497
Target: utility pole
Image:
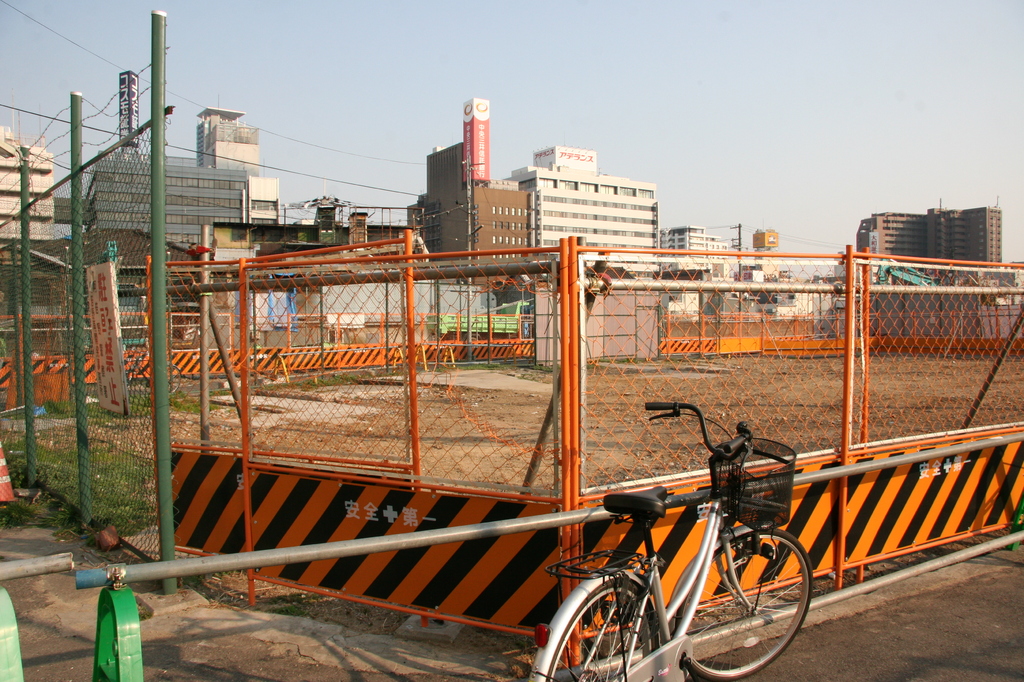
738 242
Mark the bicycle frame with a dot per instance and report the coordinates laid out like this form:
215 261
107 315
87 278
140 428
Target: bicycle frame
664 662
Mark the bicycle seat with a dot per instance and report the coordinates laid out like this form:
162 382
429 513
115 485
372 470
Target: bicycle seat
648 503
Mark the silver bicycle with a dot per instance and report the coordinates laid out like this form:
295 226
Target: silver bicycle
735 607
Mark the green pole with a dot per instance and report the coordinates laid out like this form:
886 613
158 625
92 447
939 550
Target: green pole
78 341
158 283
29 391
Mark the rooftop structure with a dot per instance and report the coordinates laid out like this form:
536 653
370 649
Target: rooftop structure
223 141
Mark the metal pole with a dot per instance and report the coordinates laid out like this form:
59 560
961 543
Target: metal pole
26 568
79 339
99 577
204 341
1003 353
28 377
158 353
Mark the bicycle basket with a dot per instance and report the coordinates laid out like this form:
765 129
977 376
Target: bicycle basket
594 564
758 491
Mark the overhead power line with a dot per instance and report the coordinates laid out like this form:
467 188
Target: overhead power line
260 165
190 101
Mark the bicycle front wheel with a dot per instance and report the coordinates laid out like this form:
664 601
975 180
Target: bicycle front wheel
613 628
749 616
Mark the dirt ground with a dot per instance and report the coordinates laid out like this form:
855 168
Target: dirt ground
479 435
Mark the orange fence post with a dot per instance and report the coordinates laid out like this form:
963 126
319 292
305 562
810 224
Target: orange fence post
850 333
244 414
410 330
865 346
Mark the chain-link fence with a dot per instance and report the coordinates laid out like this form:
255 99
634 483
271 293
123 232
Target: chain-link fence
767 339
352 363
106 469
456 376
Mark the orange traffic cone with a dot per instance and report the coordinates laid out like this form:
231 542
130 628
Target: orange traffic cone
6 489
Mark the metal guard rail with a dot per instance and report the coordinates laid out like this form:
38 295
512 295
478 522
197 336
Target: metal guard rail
119 574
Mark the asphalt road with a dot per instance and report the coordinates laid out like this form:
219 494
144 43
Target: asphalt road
962 623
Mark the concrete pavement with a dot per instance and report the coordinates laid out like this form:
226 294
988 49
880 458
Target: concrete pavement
962 622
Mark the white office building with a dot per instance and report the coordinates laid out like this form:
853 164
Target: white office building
40 164
692 238
571 197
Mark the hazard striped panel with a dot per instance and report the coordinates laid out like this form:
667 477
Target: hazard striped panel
501 580
889 511
498 580
670 346
894 509
208 502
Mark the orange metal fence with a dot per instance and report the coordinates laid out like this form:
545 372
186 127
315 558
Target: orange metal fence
383 376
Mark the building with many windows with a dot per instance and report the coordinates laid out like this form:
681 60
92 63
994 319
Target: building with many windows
118 197
692 238
974 234
572 198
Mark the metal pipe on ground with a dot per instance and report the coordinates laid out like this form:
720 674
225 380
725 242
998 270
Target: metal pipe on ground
26 568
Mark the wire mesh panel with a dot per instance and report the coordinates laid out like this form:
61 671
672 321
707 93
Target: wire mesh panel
944 347
115 454
358 360
757 339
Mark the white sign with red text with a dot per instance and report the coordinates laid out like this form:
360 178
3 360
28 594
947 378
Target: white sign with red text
571 157
107 344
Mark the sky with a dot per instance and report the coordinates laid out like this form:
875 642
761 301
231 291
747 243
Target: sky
799 117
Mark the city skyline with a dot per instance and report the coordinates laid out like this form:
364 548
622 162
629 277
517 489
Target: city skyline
797 118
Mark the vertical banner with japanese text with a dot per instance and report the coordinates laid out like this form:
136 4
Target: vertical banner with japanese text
107 345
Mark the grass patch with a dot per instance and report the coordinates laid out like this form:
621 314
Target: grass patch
59 409
183 402
17 513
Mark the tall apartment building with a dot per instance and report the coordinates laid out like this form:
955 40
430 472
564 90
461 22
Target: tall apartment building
692 238
479 216
572 198
974 234
40 163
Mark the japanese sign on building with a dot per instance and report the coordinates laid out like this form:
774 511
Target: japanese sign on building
107 345
128 104
476 137
570 157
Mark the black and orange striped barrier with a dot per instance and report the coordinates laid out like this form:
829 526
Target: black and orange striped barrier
501 581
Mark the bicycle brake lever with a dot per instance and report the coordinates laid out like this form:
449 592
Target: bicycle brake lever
663 415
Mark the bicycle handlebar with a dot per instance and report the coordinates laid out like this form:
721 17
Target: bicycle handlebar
728 450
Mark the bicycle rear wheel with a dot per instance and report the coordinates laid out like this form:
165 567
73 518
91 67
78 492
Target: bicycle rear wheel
614 627
743 625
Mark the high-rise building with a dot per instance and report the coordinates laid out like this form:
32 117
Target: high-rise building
974 234
40 164
692 238
571 197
